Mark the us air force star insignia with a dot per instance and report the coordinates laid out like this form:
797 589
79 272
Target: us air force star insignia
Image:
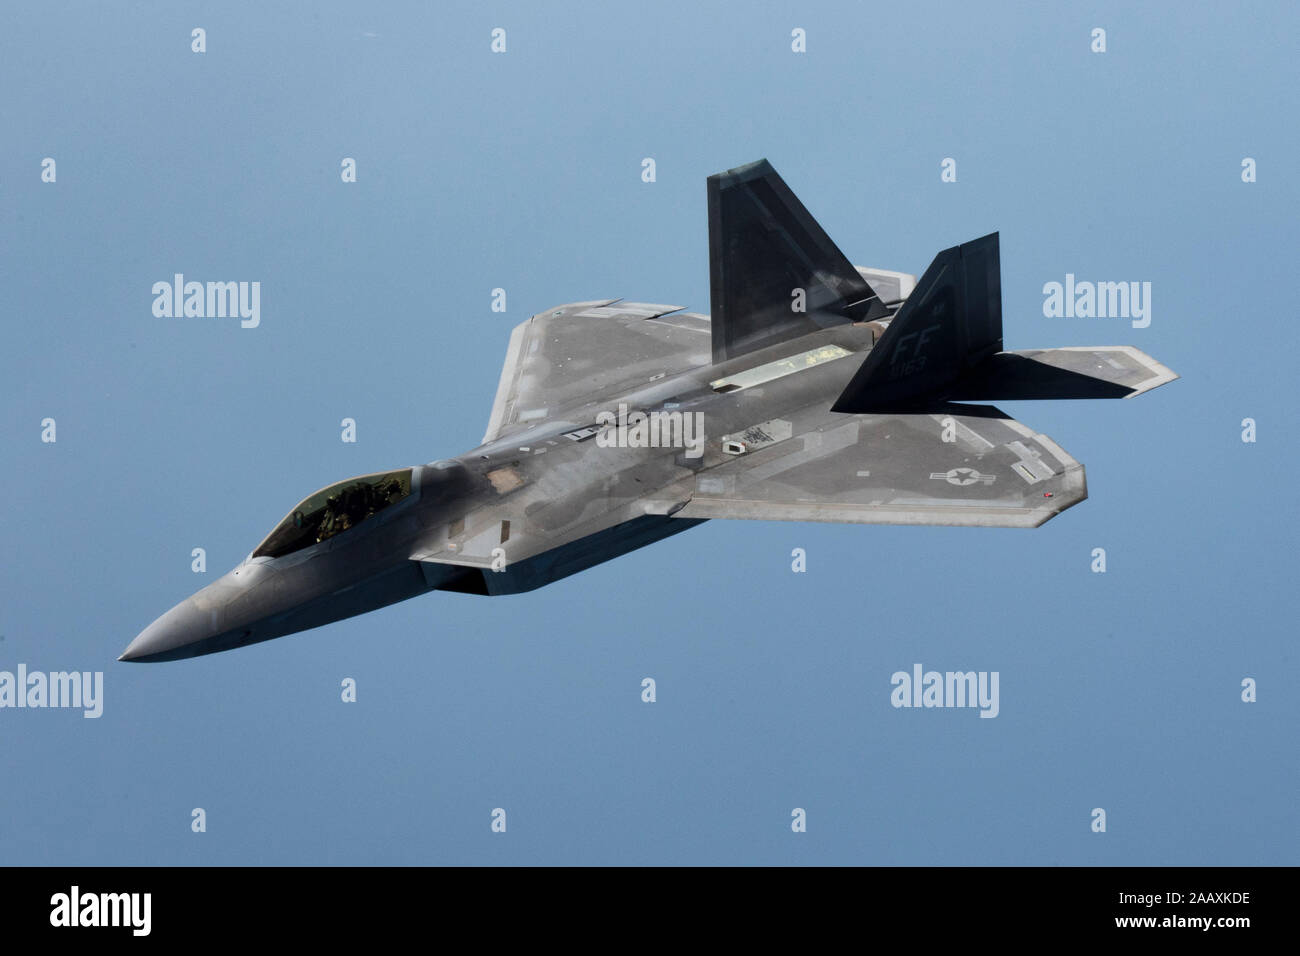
963 476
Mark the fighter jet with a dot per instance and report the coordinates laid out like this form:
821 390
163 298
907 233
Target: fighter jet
814 391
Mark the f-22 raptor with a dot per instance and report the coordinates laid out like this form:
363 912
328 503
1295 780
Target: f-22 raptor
814 391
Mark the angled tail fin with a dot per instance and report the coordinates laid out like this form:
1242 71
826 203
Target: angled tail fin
763 245
950 324
945 345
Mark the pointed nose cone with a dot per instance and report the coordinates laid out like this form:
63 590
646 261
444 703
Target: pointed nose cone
174 635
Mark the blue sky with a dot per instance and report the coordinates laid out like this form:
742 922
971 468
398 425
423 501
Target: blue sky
522 171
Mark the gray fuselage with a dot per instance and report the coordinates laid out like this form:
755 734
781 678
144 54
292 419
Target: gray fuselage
509 516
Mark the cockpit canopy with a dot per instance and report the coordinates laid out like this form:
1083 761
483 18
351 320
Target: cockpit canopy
334 510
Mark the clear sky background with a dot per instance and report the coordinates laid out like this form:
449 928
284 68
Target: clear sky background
522 170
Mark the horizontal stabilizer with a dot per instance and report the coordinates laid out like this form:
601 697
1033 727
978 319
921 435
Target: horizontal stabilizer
1077 372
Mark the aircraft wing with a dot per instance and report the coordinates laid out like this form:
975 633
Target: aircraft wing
892 468
588 352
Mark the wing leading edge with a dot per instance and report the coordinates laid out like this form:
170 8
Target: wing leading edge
586 352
